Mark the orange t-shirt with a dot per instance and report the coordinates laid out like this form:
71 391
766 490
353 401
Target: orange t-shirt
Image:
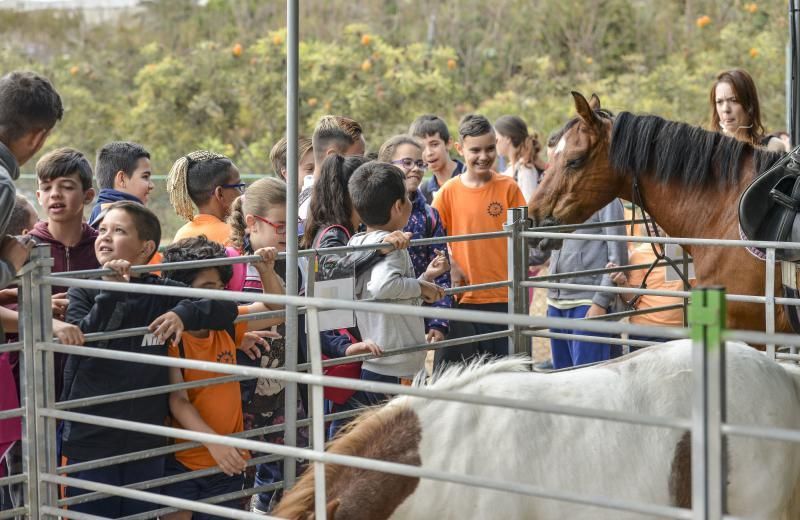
656 280
467 211
208 225
219 405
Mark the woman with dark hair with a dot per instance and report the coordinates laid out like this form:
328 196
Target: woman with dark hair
735 110
522 151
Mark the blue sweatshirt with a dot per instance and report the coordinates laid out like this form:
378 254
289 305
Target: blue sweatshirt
106 197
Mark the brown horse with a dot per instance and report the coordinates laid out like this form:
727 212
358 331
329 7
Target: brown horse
689 180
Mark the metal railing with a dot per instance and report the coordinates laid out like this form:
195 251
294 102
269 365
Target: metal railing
40 411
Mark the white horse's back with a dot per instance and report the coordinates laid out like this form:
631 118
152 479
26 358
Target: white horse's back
601 458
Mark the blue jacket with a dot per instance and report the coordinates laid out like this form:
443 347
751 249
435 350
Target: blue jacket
431 186
425 222
106 197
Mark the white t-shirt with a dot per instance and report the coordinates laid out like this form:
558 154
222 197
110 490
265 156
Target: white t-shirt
527 178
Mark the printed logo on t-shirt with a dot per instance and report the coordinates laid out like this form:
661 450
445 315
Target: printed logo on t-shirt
495 209
150 340
225 357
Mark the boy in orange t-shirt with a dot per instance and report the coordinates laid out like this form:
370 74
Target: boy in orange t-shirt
217 408
477 202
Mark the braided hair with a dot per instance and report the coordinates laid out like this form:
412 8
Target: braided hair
192 179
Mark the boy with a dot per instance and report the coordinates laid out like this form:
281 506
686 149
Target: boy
332 135
65 188
123 172
212 409
379 196
477 202
128 235
29 109
435 136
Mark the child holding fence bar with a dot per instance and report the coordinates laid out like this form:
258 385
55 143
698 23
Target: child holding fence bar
477 201
128 236
378 192
216 408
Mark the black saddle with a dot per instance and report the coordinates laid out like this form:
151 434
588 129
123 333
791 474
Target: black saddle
768 208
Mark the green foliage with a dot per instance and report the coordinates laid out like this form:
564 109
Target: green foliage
177 77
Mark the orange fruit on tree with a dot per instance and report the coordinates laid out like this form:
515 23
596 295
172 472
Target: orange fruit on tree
754 52
366 65
703 21
74 70
237 50
277 39
366 39
751 8
312 102
451 64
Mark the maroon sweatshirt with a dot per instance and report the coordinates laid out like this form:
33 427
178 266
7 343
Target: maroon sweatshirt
68 258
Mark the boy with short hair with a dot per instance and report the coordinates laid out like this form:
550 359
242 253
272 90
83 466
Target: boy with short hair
378 192
123 172
128 235
433 132
64 190
29 109
333 135
477 202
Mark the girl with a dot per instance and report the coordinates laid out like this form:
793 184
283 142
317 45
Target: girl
522 151
406 152
258 220
209 181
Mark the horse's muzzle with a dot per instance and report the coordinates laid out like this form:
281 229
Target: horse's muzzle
546 244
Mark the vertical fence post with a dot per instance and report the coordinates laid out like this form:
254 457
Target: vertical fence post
517 267
707 320
27 373
292 286
45 373
318 414
769 299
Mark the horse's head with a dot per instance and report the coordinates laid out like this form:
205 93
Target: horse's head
579 180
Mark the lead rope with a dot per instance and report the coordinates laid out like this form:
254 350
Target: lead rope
658 249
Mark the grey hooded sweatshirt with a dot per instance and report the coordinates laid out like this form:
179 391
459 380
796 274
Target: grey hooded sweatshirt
390 280
9 171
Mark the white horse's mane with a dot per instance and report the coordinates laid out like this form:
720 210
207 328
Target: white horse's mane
457 376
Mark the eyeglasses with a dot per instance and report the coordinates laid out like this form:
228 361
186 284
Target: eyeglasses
240 187
408 163
279 228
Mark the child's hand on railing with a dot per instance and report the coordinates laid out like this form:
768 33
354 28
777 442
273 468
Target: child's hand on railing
399 239
60 303
430 291
268 256
230 459
437 267
168 325
67 334
254 340
121 268
364 347
619 278
434 336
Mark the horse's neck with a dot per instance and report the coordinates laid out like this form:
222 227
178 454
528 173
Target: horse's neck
684 211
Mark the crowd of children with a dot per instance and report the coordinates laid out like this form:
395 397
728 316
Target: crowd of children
344 198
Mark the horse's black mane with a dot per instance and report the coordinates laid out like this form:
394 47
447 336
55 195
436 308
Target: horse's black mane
677 151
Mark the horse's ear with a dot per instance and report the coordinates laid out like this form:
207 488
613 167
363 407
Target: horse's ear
594 102
585 111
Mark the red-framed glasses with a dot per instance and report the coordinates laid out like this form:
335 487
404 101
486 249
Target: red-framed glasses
280 228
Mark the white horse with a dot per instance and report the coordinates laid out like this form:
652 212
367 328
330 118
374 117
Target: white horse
586 456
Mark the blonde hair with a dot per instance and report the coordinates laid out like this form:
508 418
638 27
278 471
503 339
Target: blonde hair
277 155
192 179
260 197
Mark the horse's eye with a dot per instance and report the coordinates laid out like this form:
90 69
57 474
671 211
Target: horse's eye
575 163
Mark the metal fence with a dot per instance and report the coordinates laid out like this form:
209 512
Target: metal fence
40 411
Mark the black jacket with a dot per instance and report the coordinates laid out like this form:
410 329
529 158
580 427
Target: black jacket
333 266
98 311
